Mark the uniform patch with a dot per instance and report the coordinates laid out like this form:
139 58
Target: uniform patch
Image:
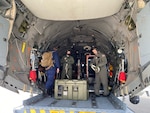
103 55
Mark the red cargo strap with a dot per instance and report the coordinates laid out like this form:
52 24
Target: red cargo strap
32 76
122 77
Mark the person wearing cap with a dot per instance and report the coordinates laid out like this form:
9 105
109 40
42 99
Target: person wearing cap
67 61
99 62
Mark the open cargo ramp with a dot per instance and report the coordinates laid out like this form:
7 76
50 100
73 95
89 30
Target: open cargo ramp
39 104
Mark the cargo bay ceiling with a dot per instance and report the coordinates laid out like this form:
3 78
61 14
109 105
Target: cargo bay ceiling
71 34
107 32
71 25
73 9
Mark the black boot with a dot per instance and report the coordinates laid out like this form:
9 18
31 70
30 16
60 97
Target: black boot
49 92
45 93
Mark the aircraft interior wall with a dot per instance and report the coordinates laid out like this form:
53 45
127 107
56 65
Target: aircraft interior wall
110 35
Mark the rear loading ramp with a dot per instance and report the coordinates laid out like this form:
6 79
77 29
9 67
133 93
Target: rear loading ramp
39 104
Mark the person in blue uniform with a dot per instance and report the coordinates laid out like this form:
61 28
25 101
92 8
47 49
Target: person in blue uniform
56 59
50 72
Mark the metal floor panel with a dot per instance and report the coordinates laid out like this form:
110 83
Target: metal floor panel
102 103
40 104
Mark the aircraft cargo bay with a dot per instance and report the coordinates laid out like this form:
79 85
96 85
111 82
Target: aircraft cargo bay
78 56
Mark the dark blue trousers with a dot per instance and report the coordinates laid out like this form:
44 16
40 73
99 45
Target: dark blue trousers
50 78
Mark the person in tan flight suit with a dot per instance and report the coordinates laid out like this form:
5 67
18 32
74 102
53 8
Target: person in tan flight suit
100 61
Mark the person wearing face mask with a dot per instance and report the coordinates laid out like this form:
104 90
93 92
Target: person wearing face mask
67 61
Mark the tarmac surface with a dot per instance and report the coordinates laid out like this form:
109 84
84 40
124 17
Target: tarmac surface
142 107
